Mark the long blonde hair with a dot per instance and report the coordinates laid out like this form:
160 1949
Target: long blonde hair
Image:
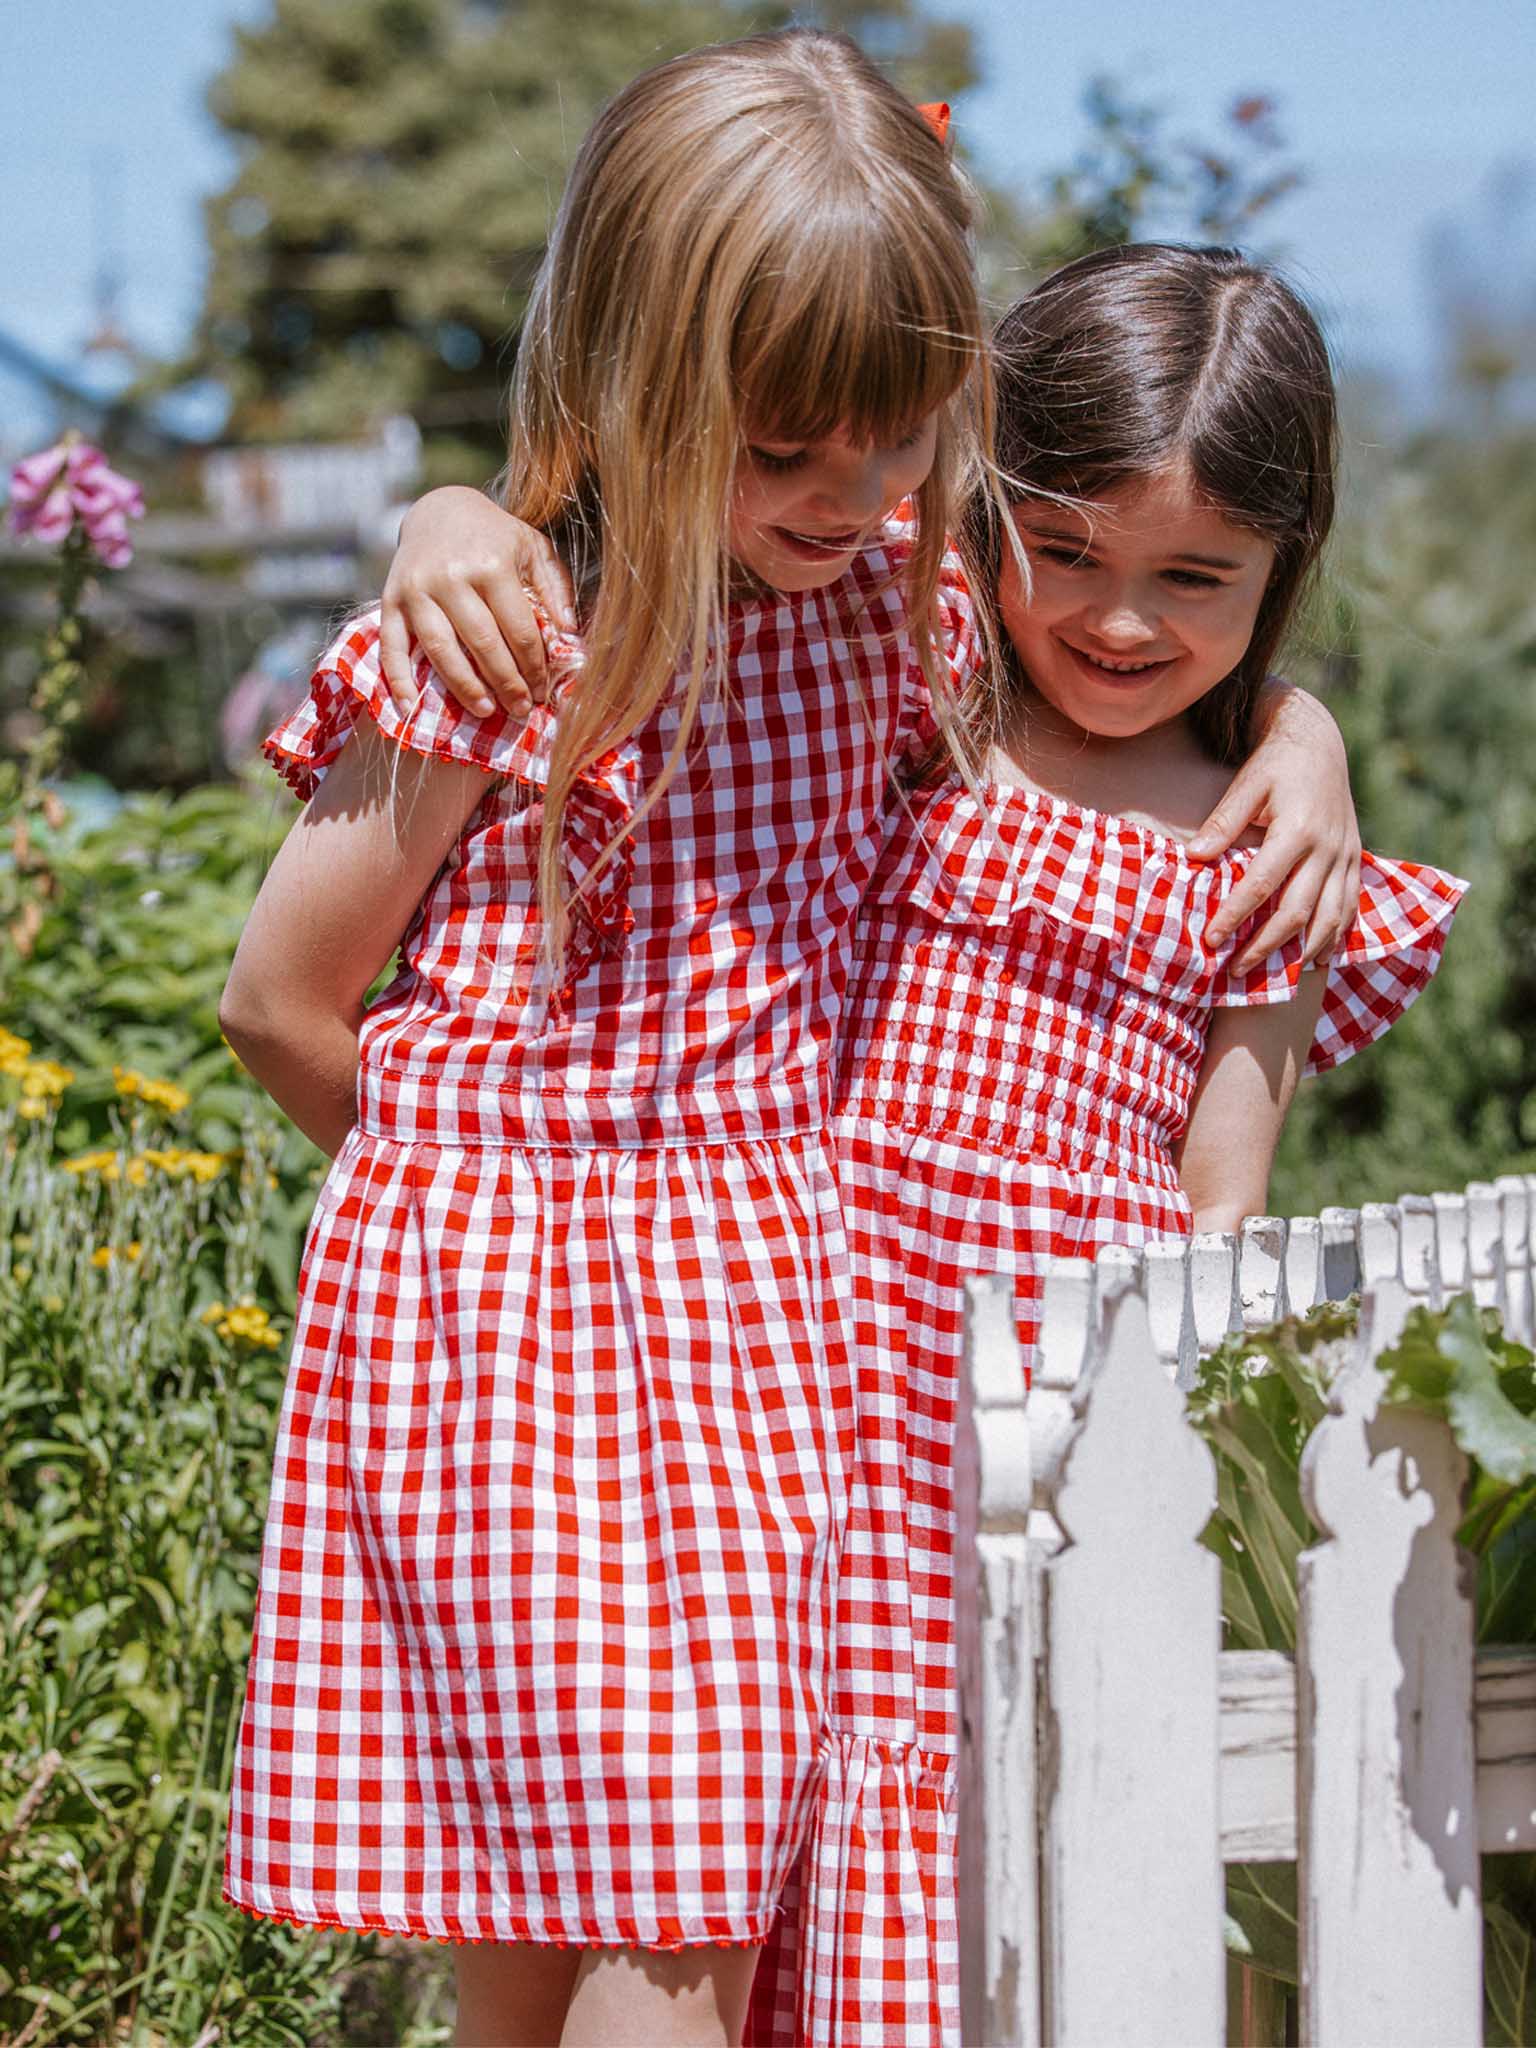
762 234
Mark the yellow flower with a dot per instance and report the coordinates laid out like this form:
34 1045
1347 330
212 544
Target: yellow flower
166 1095
13 1051
54 1303
32 1107
176 1163
105 1163
43 1079
104 1254
244 1323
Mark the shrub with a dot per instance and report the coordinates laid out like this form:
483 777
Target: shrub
142 1339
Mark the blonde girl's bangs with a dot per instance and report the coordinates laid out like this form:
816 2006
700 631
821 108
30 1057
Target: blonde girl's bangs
890 322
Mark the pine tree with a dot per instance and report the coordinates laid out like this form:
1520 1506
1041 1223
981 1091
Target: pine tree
402 160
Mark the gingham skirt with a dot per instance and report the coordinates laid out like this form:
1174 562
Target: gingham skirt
867 1950
543 1630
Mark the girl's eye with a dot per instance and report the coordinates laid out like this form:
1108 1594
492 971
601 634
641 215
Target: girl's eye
1192 579
1066 558
779 465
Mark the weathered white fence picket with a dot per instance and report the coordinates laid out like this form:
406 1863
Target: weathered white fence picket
1115 1757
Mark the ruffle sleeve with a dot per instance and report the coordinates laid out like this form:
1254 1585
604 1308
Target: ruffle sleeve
348 685
1028 859
1381 966
348 682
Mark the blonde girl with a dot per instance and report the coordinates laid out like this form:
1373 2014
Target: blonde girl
542 1643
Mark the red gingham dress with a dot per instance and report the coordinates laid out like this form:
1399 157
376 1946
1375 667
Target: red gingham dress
1021 1045
543 1629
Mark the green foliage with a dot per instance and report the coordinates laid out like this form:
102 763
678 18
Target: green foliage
135 1438
1257 1401
1133 178
1428 660
127 967
402 163
141 1334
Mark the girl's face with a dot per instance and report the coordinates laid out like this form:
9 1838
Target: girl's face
801 510
1138 609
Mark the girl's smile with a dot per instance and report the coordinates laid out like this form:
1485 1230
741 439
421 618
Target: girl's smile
1139 607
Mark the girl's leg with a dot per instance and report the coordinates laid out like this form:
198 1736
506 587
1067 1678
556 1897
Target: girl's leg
639 1998
513 1995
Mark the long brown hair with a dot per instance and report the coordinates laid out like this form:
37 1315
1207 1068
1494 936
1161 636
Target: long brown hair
1138 356
764 234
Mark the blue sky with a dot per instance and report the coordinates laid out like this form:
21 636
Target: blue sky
1402 116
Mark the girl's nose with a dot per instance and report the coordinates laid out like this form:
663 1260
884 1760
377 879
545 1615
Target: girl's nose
1121 622
853 491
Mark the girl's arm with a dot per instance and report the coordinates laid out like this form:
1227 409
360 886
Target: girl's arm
341 892
1253 1061
458 586
1295 785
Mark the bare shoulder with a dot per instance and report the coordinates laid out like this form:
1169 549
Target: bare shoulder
1169 785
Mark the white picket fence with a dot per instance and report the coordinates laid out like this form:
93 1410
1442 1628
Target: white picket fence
1115 1757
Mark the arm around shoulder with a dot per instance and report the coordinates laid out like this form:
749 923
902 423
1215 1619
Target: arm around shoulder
1295 784
330 915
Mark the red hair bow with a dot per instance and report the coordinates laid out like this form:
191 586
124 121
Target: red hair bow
936 114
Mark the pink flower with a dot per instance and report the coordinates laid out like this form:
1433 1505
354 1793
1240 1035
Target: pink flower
70 481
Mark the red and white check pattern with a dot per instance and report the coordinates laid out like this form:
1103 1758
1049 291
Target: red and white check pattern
1024 1034
543 1631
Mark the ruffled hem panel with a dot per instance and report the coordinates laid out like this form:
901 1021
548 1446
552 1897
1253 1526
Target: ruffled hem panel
873 1952
667 1939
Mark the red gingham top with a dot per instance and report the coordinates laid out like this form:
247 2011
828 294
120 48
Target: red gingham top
735 898
1035 981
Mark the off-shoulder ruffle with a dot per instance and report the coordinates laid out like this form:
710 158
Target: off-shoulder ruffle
1091 875
349 682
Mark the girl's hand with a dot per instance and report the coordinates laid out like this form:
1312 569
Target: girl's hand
1296 785
458 586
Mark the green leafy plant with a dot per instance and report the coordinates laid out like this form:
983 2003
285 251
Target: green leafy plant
125 972
143 1342
1258 1398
